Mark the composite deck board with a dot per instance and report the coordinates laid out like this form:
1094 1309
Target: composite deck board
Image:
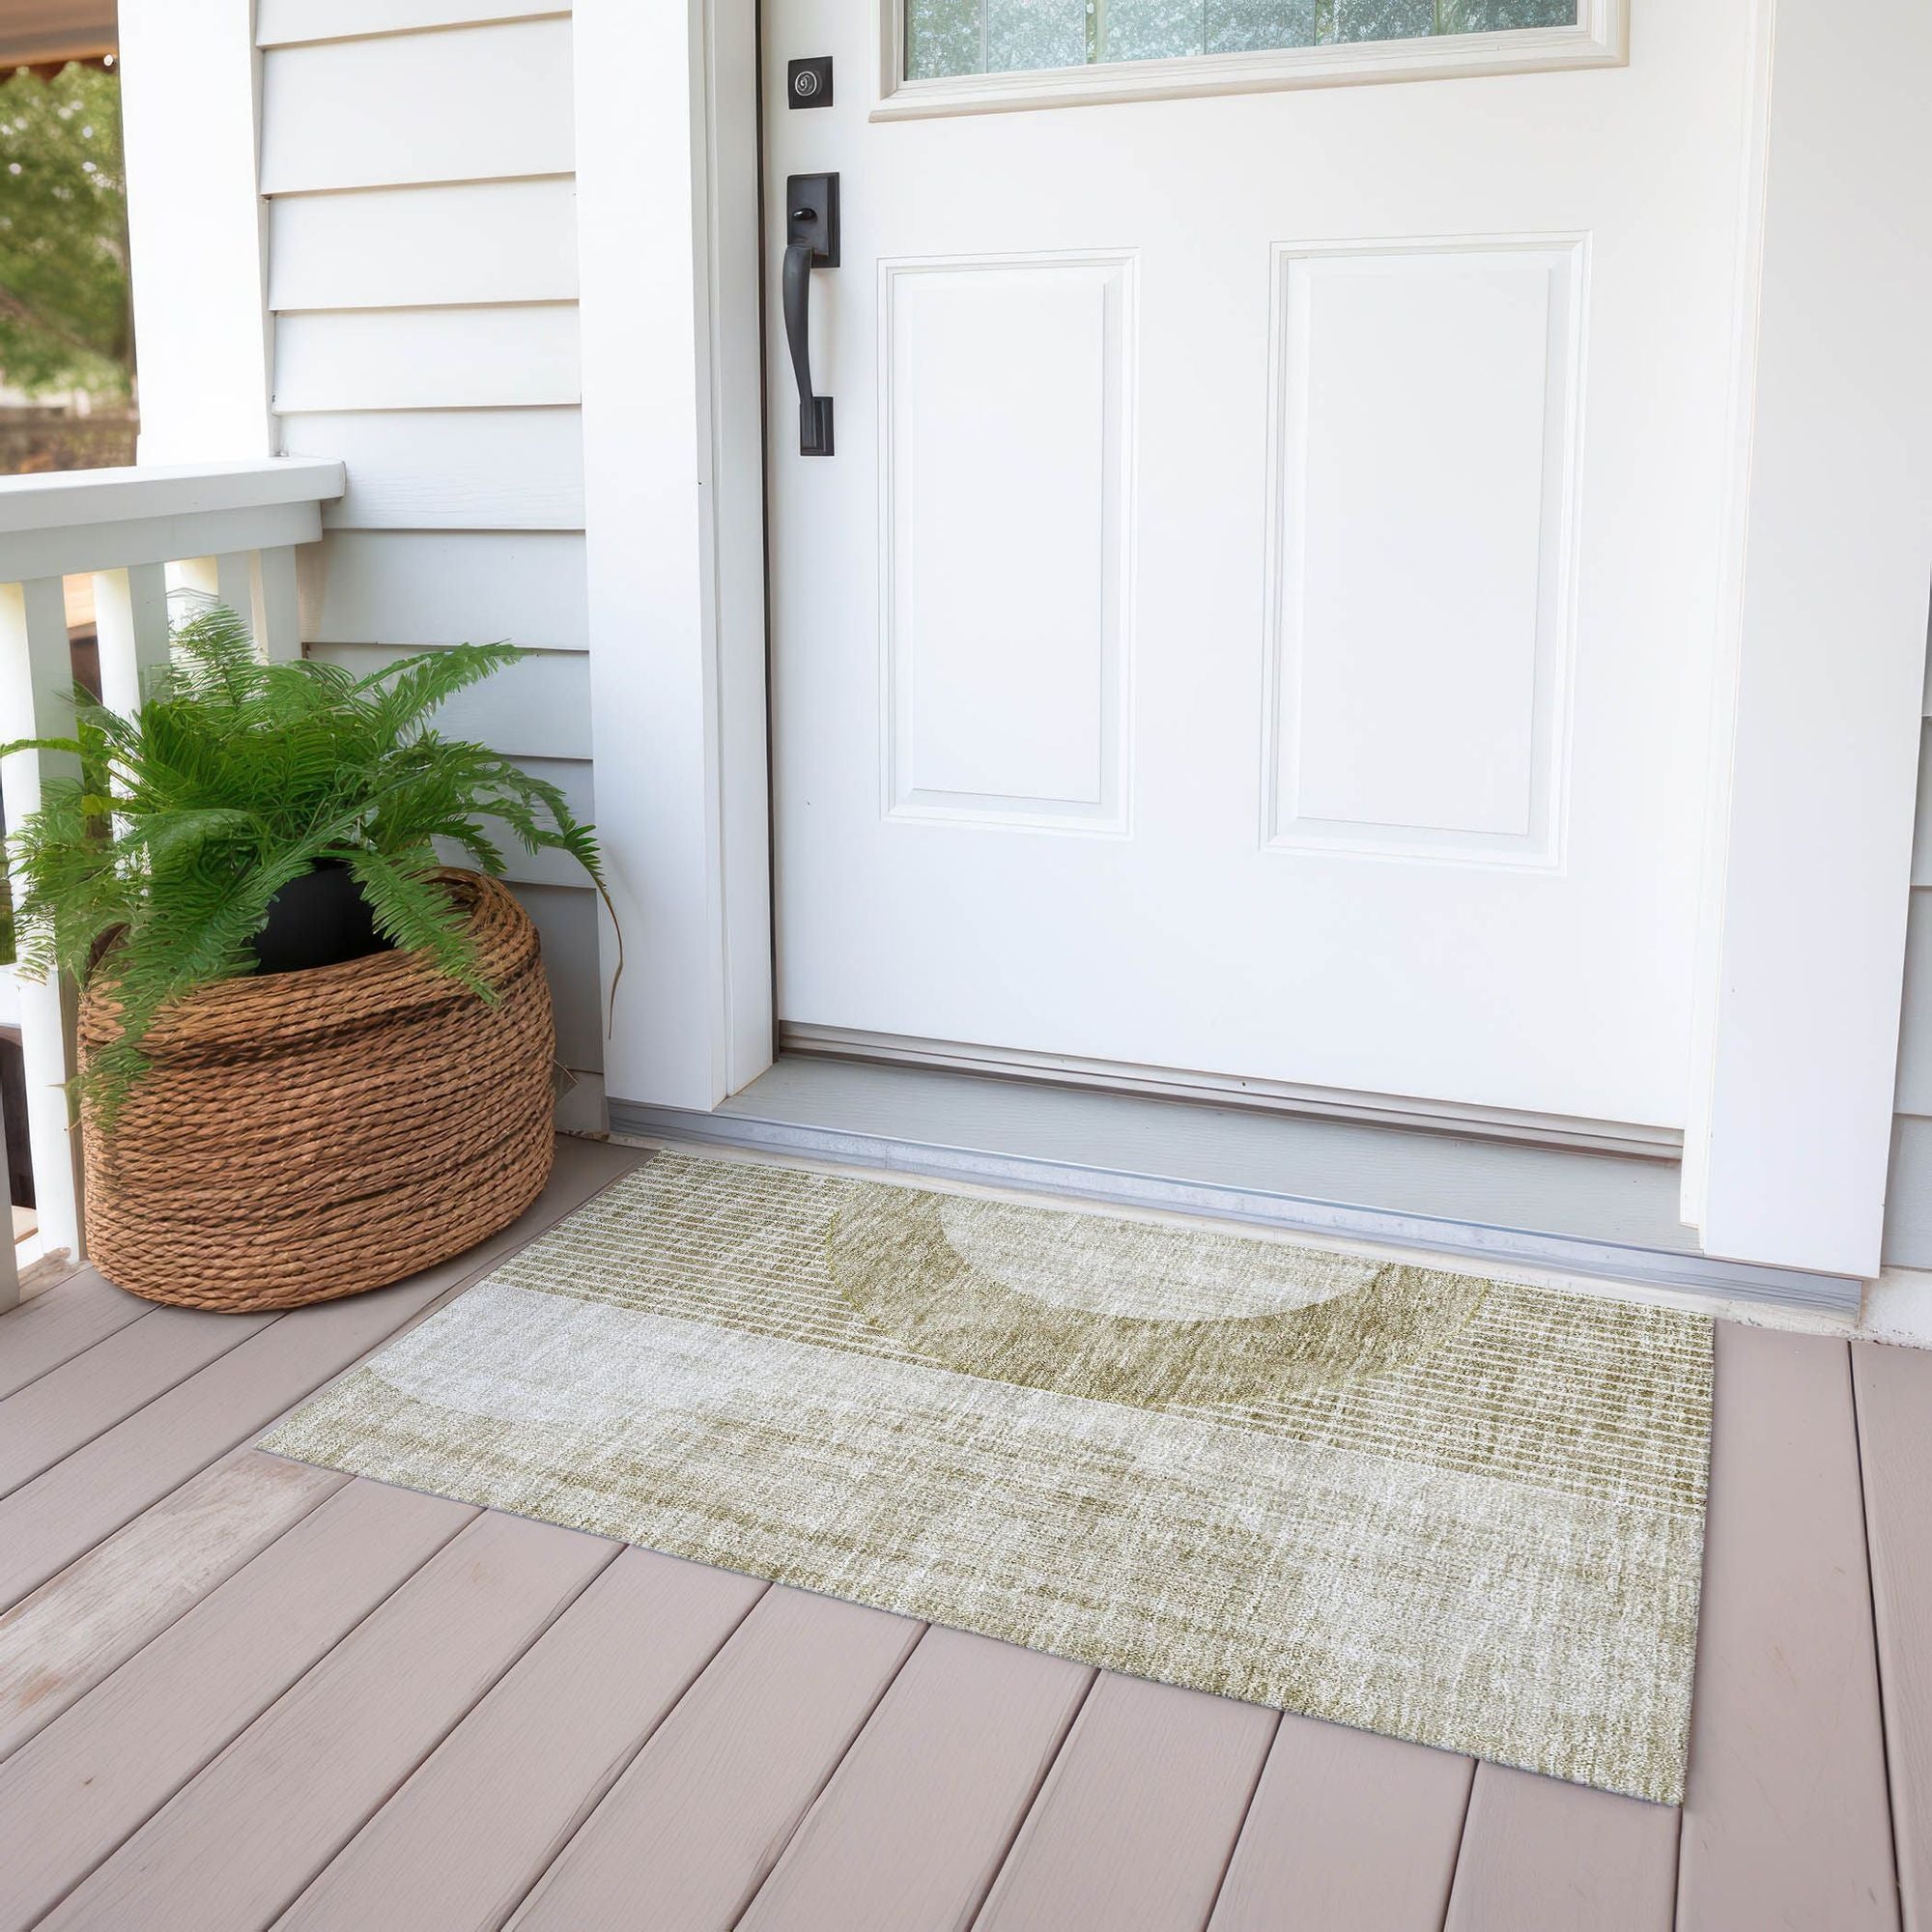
70 1634
467 1837
51 1520
1135 1824
1786 1820
88 1781
693 1827
1347 1829
1539 1854
70 1405
57 1517
57 1323
1894 1403
917 1820
238 1843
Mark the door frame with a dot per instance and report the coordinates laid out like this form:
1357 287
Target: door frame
668 224
1813 797
1814 787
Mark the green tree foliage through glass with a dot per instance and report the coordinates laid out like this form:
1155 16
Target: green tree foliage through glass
948 37
66 319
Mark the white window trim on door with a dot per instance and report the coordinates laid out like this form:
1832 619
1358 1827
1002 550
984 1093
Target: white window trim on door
1601 38
1792 1082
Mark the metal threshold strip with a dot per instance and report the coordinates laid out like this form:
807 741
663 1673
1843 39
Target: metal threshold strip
1609 1216
1224 1090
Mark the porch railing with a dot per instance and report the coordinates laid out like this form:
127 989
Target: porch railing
225 530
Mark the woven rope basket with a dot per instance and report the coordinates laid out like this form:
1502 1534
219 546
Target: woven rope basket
308 1135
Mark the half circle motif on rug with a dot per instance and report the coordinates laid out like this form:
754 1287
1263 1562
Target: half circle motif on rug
1130 1311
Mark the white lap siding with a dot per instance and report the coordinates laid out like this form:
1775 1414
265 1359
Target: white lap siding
416 157
1908 1207
1910 1189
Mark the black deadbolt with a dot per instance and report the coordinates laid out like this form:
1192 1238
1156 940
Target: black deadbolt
809 82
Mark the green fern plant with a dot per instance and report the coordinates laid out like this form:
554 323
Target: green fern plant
236 777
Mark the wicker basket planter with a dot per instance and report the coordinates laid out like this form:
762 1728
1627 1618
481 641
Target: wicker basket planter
308 1135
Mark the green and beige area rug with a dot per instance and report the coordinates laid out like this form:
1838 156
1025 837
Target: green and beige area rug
1421 1503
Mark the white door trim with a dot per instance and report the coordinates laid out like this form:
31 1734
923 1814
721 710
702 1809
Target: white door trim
1809 872
668 241
1807 881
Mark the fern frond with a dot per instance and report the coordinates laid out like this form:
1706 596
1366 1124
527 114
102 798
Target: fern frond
415 910
234 778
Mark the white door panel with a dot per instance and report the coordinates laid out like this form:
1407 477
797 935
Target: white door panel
1259 616
1021 722
1431 391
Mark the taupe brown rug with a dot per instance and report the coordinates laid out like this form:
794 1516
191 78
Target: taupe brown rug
1421 1503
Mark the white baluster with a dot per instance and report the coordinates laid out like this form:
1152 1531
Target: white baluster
36 687
234 583
9 1265
276 612
131 616
259 588
229 578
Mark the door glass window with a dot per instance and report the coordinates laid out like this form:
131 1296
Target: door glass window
951 37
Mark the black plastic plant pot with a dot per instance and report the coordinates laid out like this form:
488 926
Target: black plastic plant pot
319 920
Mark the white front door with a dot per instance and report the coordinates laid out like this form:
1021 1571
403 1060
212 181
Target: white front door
1258 617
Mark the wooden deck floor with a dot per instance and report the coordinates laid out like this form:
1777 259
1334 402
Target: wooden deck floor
237 1692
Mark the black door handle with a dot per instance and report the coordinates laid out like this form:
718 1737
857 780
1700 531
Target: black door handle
814 413
811 241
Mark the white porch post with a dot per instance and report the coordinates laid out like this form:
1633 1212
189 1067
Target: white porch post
1790 1103
190 88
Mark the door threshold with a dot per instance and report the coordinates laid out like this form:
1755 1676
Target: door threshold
1220 1090
1610 1216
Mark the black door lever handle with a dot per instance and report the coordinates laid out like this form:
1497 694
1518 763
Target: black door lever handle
811 241
814 413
